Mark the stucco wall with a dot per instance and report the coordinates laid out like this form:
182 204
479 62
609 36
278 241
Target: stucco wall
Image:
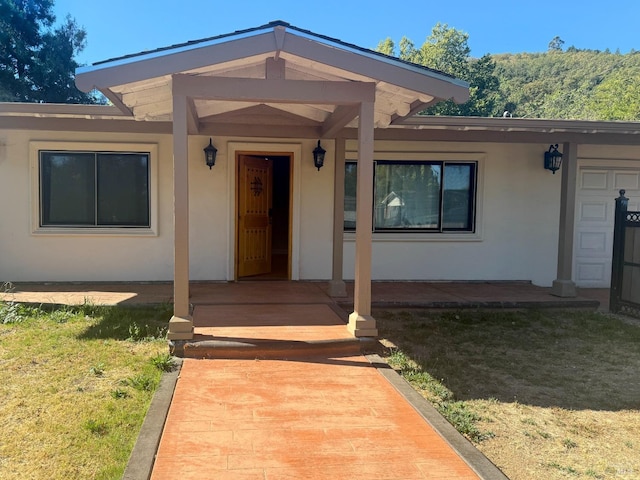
29 256
516 239
25 256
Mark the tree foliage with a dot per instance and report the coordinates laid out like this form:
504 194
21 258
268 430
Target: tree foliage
560 84
571 84
447 50
37 57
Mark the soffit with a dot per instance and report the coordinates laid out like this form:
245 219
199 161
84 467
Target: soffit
141 85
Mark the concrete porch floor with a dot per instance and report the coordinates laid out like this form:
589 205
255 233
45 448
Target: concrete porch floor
278 318
384 294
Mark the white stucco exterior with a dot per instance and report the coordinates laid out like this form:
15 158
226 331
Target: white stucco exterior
274 91
32 254
516 224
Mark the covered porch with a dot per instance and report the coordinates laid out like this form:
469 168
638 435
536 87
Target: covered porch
271 82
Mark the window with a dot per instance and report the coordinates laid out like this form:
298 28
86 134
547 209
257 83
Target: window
94 189
417 196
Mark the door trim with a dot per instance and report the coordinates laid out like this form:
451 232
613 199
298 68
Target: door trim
294 151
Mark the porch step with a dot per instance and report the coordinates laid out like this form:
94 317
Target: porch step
271 349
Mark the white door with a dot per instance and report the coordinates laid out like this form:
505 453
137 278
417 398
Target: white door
597 189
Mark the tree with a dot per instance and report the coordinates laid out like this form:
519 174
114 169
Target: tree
37 60
618 97
574 84
447 50
387 47
555 45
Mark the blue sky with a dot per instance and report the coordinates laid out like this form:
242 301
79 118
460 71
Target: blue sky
120 27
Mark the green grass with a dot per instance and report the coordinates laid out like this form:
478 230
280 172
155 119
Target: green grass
544 394
462 418
523 356
75 384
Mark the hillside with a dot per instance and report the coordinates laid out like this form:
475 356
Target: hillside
571 84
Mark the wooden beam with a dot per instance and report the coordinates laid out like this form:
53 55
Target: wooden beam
276 91
417 79
337 287
53 109
274 68
193 122
563 285
416 107
181 324
116 99
361 323
279 34
253 130
338 120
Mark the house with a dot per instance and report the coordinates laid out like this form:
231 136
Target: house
123 193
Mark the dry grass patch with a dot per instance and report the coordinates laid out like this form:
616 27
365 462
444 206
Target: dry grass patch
550 395
75 385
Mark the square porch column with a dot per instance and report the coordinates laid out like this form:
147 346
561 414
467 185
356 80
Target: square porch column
563 285
361 323
181 324
337 287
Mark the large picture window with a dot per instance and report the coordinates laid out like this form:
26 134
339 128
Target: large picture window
94 189
417 196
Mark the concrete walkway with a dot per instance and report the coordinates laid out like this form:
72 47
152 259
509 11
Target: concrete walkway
303 418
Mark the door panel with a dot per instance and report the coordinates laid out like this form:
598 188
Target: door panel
595 203
255 179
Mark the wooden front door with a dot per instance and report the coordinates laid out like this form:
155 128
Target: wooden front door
255 180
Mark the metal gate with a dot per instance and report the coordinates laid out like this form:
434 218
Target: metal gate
625 267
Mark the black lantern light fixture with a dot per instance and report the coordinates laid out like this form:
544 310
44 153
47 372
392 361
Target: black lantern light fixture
318 156
552 159
210 153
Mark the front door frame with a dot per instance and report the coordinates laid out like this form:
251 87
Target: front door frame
294 152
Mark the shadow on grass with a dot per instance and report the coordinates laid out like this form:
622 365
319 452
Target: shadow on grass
127 323
567 359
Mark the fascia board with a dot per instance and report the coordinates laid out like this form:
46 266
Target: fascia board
158 64
197 55
401 74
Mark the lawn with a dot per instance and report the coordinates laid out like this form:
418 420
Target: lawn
543 394
75 385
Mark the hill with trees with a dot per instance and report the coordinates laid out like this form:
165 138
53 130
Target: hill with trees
572 84
556 84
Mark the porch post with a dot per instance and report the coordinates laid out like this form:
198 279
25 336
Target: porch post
361 323
337 287
181 324
563 285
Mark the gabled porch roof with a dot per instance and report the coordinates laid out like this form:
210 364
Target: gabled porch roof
272 81
140 85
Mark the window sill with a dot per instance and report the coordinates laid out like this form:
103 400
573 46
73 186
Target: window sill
94 232
418 237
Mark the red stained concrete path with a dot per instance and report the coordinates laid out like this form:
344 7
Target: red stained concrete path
308 418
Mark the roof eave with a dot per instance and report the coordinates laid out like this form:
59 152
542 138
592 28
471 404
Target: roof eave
265 40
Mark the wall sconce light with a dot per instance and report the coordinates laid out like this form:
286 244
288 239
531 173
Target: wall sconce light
210 153
318 156
552 159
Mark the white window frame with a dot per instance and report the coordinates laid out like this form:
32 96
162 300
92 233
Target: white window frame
34 157
430 236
